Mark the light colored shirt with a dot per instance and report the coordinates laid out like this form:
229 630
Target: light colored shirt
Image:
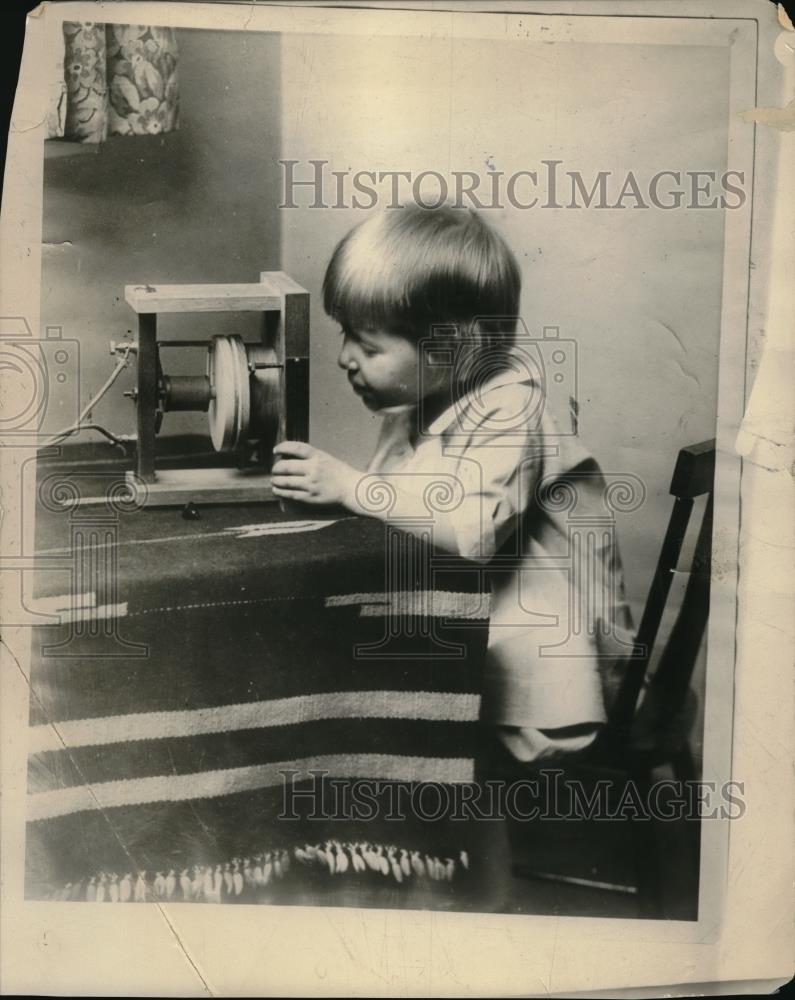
558 610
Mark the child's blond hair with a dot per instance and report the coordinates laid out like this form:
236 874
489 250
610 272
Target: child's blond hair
417 272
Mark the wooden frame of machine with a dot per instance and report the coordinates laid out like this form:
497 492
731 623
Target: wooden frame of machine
254 394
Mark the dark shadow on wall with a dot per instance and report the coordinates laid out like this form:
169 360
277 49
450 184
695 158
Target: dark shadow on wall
195 205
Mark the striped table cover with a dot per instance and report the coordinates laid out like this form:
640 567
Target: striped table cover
187 663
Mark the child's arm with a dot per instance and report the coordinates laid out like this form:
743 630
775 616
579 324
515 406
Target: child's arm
312 476
493 471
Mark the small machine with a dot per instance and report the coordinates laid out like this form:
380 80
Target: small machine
254 394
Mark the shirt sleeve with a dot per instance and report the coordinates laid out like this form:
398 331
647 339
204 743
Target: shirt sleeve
499 463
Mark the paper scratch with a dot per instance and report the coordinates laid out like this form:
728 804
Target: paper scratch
160 907
184 951
780 118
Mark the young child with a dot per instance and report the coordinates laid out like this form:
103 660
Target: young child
476 420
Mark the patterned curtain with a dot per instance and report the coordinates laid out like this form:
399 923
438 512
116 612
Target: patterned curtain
118 79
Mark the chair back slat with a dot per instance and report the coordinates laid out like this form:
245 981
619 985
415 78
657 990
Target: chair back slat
629 692
694 473
693 476
674 671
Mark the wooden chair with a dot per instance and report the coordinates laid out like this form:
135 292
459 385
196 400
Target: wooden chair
644 735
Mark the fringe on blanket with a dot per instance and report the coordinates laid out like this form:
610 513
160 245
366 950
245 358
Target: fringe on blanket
247 879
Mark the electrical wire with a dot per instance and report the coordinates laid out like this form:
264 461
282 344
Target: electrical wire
78 425
119 442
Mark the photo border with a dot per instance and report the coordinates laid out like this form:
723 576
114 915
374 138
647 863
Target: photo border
754 80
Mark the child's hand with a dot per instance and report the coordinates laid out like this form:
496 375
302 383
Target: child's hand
302 472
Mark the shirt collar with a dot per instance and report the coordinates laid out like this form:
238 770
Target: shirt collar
508 376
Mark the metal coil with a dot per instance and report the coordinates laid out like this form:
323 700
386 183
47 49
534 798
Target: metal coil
186 392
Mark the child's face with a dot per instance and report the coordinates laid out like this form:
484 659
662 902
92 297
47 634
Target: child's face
384 368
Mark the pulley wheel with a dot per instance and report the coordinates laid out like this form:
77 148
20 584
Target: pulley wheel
230 406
